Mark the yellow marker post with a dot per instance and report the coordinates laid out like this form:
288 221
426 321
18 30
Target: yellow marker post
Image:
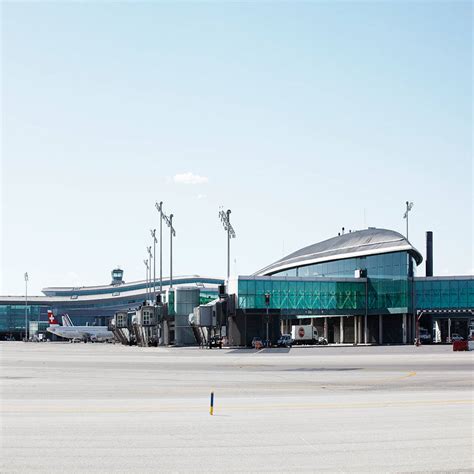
211 409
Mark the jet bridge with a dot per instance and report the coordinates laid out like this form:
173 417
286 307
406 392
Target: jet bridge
208 320
165 322
119 325
142 326
145 324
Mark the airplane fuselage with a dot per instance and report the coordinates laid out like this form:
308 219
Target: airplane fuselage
82 332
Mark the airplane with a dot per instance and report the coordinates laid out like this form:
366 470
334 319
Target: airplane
71 332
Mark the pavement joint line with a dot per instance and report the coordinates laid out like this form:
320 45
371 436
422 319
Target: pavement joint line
224 407
327 384
313 448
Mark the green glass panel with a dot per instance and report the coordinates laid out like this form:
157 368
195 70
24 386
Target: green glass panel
243 286
463 296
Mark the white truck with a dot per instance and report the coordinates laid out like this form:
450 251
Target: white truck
306 334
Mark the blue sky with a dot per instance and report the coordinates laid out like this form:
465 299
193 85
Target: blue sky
300 117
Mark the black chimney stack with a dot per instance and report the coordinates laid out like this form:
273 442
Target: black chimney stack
429 254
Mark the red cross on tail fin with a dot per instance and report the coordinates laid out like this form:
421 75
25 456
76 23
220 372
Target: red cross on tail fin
52 319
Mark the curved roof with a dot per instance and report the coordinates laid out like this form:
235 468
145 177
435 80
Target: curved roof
361 243
121 287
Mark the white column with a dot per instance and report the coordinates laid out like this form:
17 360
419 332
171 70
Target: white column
326 328
366 329
166 334
413 326
341 330
356 338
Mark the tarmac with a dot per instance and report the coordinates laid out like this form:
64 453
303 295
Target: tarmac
110 408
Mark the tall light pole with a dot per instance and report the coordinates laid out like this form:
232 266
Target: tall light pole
225 218
26 306
405 216
267 317
153 234
148 249
169 223
410 263
146 278
159 208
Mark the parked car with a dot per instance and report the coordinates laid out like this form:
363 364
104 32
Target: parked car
456 337
285 340
425 336
215 341
322 341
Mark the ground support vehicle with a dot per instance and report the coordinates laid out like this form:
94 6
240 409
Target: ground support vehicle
215 341
285 340
307 334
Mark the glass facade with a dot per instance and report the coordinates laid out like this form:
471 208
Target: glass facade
444 293
347 296
388 282
207 296
388 265
300 294
12 317
389 291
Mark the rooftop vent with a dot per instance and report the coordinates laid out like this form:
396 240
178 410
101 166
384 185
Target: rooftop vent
429 253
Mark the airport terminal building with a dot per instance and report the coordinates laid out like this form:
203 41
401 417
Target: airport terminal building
359 287
90 305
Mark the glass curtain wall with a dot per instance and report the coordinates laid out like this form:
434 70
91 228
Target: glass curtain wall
301 294
12 317
388 286
446 293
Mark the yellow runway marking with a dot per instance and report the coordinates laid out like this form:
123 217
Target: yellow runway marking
411 374
389 379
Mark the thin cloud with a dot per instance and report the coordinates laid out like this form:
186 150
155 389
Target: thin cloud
190 178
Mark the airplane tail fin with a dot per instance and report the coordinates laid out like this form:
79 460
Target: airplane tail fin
52 320
67 320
